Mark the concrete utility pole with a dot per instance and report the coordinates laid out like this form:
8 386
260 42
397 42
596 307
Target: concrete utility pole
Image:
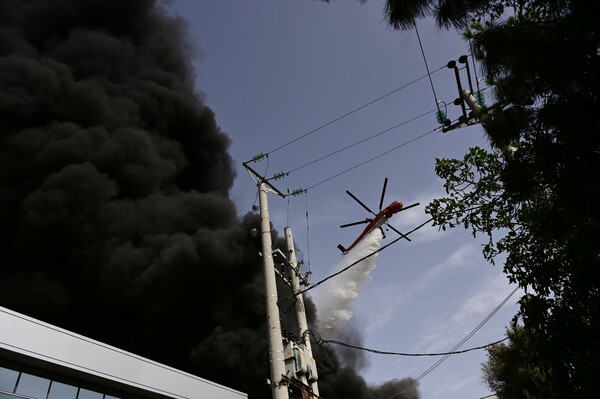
280 390
299 305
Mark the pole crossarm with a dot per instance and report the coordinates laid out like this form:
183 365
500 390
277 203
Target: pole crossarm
475 118
461 123
262 179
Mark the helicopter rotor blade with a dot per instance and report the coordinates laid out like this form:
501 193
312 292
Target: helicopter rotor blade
398 231
409 206
383 193
360 202
354 224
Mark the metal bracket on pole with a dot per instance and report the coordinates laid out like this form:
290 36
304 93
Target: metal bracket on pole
459 100
460 123
465 97
463 59
255 175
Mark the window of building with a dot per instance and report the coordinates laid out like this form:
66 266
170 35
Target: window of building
20 384
32 385
58 390
8 379
12 396
87 394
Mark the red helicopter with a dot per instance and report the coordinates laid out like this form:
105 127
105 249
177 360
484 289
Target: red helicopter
378 221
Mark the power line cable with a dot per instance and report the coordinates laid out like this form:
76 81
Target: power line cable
279 175
427 68
351 112
371 159
320 341
474 64
453 351
301 191
288 211
307 237
440 361
357 143
304 190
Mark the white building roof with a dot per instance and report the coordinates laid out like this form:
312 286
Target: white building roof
26 338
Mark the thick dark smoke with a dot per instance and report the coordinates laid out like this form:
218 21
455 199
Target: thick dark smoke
115 216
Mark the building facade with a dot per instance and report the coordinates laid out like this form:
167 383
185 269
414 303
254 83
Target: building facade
42 361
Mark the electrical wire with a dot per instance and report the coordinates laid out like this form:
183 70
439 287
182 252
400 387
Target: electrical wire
320 341
307 238
371 159
474 64
454 351
358 142
354 111
288 210
436 364
427 68
279 175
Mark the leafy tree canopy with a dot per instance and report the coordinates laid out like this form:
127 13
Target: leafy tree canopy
538 205
511 371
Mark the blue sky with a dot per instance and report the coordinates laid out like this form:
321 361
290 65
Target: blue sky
274 70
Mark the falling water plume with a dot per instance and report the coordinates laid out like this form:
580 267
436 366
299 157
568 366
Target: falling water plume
336 298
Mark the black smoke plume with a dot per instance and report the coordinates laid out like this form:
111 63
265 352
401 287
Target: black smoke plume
115 216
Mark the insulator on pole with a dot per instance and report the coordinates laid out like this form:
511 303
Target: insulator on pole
279 175
258 157
440 117
480 98
471 101
297 192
